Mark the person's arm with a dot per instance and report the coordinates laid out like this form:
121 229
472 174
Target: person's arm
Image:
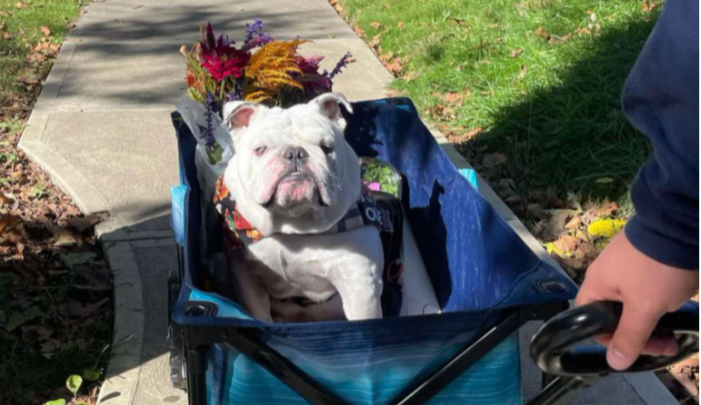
648 266
661 99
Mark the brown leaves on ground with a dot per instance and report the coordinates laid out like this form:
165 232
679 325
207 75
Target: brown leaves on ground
55 288
20 6
542 33
514 54
682 380
445 110
491 160
394 64
459 134
454 97
45 30
649 6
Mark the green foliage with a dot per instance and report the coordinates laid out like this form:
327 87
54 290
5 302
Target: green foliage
544 79
73 384
91 374
382 174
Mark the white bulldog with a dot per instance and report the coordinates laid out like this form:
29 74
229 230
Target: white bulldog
293 178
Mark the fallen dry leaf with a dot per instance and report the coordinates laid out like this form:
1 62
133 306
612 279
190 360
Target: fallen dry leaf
474 132
20 5
30 81
608 209
81 224
6 35
456 98
574 223
6 13
8 222
491 160
566 243
75 309
515 53
64 237
542 33
376 25
576 264
649 6
36 57
358 31
395 67
46 30
455 21
4 199
400 25
554 39
375 43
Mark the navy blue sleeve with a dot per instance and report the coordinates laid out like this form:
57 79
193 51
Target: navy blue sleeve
661 99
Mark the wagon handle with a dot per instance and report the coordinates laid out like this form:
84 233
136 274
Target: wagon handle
553 347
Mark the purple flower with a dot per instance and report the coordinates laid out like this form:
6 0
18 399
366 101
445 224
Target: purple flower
236 93
345 60
224 41
207 133
260 40
253 29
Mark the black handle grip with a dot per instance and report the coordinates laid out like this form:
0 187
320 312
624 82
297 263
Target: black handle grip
553 347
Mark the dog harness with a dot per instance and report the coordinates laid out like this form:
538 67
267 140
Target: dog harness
378 209
365 212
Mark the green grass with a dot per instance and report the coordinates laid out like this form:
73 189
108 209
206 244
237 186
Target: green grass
23 28
554 110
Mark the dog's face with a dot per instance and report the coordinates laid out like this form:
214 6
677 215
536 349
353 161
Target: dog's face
293 171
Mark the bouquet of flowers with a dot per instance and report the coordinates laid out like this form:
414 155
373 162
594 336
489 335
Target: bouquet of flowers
261 70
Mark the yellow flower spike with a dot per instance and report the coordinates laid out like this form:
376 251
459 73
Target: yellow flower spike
606 228
269 70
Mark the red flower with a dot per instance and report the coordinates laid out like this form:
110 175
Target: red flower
310 64
230 63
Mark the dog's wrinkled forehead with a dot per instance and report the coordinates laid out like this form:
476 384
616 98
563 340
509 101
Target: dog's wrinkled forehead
310 122
301 123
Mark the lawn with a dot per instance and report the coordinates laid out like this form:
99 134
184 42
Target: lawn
535 84
55 288
529 92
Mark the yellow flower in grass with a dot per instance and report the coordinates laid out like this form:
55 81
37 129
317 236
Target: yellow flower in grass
606 228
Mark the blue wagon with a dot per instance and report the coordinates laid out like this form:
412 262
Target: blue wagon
488 283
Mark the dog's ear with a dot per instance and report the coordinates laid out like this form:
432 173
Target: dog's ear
237 114
329 105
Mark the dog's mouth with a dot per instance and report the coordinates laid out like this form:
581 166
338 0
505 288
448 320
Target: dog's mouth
295 178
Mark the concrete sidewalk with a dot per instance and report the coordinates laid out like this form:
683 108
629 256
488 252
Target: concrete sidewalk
102 129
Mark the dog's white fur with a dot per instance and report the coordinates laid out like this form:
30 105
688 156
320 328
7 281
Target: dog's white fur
292 203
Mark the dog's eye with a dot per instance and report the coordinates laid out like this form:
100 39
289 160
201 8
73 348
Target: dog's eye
327 148
261 150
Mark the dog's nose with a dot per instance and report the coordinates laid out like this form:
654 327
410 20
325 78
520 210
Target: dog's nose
296 153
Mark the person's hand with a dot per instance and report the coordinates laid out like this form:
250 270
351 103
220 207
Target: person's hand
648 289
